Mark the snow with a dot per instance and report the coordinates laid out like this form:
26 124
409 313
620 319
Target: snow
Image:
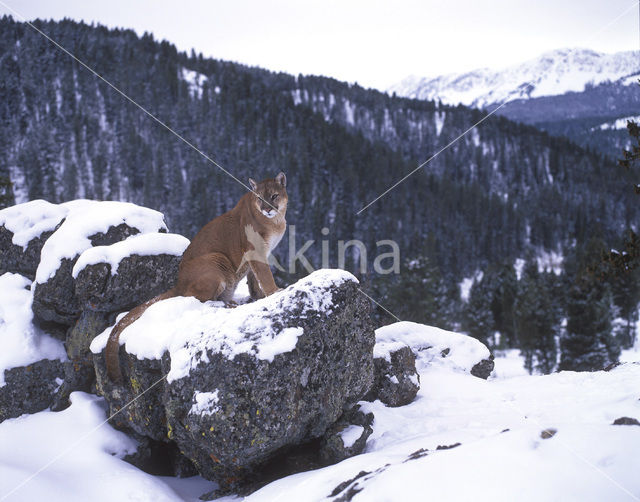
467 283
498 423
86 218
195 81
22 342
205 403
618 124
550 261
76 456
502 456
188 329
30 220
553 73
351 434
429 342
349 111
518 266
508 364
142 245
439 118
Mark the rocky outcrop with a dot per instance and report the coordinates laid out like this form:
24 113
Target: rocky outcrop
124 262
244 385
396 380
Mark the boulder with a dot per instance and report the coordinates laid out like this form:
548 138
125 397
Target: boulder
29 389
436 347
87 224
24 229
109 279
31 361
234 388
125 274
396 380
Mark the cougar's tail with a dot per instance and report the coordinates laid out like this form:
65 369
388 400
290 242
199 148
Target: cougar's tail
111 353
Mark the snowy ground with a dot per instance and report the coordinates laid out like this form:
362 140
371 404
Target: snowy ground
74 456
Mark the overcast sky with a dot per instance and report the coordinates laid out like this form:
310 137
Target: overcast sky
375 43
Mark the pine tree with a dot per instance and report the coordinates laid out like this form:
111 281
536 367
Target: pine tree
588 343
537 325
478 319
504 284
626 296
419 294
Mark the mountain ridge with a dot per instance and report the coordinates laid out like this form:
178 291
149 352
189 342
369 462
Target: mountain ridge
552 73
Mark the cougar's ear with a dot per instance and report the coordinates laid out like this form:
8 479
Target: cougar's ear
253 184
282 179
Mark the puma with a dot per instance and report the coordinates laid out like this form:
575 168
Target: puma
228 248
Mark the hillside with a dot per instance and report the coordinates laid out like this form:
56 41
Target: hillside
503 191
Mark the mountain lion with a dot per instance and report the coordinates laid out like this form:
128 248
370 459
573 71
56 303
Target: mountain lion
228 248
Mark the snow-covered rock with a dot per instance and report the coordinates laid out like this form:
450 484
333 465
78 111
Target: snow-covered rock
553 73
396 380
435 346
30 360
24 228
244 383
122 275
87 223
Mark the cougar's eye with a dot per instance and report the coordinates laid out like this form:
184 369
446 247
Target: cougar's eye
274 197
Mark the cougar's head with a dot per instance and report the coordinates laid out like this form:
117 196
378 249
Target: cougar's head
270 195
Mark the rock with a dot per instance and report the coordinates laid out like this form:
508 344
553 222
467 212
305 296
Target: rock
244 385
396 380
548 433
484 368
31 360
626 421
435 347
29 389
121 276
24 229
160 458
55 300
347 437
87 224
17 259
79 374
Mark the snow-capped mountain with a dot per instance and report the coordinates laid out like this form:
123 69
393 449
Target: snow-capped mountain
551 74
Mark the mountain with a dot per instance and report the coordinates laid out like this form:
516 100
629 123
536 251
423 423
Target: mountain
577 93
551 74
501 192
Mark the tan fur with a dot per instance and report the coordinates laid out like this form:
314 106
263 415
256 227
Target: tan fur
220 255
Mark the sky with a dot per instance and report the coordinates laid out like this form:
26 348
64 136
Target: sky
373 42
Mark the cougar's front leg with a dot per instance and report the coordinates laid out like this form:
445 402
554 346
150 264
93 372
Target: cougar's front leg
262 273
254 288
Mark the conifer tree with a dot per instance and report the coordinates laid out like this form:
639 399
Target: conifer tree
537 326
478 319
419 294
588 343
